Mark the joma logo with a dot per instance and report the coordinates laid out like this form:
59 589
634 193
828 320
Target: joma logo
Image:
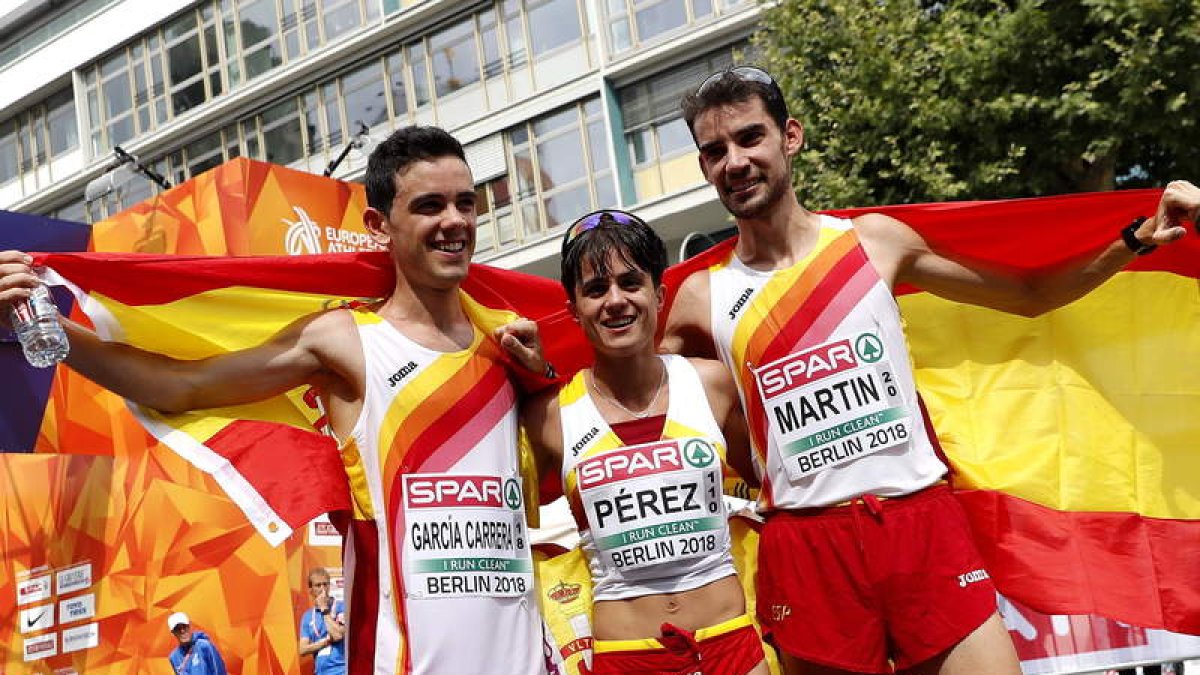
741 302
404 372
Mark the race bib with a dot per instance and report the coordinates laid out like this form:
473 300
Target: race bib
465 536
833 404
654 503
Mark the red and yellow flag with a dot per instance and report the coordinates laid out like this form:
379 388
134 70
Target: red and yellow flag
1072 436
193 307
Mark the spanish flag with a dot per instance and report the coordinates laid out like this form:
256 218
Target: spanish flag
192 307
1073 438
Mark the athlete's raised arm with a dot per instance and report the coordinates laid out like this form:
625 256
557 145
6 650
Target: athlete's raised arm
903 256
297 355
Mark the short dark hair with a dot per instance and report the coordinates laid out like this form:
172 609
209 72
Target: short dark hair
635 242
729 86
401 149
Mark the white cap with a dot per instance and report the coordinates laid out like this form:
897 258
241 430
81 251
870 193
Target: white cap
177 619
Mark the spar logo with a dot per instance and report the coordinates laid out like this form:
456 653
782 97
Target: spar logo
869 347
642 460
439 491
795 371
306 236
699 453
33 590
512 494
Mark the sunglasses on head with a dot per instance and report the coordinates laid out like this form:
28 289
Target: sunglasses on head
745 74
594 220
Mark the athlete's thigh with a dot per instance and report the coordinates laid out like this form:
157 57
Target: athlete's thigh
794 665
760 669
988 650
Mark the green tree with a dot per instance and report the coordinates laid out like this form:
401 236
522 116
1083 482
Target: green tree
908 101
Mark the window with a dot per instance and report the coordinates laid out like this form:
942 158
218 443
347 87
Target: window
395 85
60 121
282 138
339 17
75 212
558 169
365 100
514 29
30 41
34 138
254 27
482 61
187 65
420 74
8 152
489 35
656 17
633 23
202 53
660 146
455 58
552 24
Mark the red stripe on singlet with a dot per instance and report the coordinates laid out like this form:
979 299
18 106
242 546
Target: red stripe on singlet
436 450
825 303
362 617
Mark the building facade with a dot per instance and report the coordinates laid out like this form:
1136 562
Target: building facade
564 106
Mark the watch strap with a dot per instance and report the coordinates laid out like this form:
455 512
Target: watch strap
1129 236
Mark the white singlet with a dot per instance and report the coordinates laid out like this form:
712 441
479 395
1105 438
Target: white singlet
650 516
435 481
822 366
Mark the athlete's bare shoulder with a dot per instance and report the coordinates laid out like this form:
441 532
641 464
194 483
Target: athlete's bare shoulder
688 328
711 371
890 244
330 328
718 382
333 336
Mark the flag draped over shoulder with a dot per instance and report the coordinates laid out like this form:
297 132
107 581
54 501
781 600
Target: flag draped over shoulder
192 307
1073 437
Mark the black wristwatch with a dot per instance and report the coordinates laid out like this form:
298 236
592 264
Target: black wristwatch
1129 235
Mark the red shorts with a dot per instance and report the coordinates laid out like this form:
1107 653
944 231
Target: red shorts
855 586
729 648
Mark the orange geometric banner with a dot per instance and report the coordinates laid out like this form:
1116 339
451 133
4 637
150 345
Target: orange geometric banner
105 538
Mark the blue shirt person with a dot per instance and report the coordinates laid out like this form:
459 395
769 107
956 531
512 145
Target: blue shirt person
323 627
195 654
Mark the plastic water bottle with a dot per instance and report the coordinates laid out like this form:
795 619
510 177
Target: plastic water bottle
36 324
